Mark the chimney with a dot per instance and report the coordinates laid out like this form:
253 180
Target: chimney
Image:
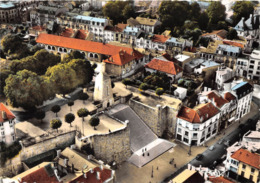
98 175
4 116
89 157
65 161
58 153
72 168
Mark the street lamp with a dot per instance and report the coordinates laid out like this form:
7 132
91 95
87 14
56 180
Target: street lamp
189 153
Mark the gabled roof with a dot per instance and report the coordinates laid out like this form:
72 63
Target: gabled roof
132 22
159 38
199 114
247 157
105 174
233 43
67 32
89 46
219 101
9 114
229 96
164 66
220 33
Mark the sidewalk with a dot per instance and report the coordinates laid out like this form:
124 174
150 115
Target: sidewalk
128 173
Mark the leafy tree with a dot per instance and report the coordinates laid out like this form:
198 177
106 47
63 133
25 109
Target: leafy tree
40 115
144 86
216 12
83 69
73 55
242 9
55 124
181 82
94 121
194 11
159 91
128 12
55 109
26 89
112 11
82 113
70 103
3 76
232 34
203 20
69 118
63 77
83 97
222 25
126 82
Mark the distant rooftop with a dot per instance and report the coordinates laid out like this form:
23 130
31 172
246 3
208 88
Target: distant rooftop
210 63
6 5
175 40
88 18
182 58
229 48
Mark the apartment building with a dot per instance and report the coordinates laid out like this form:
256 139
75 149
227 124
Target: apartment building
254 66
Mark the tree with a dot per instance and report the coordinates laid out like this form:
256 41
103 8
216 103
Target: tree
40 115
242 9
83 97
75 54
63 77
69 118
216 12
232 34
55 124
70 103
83 69
159 91
126 82
194 11
144 86
203 20
55 109
3 76
83 112
94 121
128 12
112 11
27 90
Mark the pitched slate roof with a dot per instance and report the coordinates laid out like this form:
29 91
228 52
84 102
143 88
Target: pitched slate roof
164 66
89 46
242 89
105 174
219 101
159 38
9 114
247 157
199 114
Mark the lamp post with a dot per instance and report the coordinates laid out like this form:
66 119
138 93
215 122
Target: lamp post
189 153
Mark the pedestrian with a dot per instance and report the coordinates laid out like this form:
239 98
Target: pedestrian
157 168
175 166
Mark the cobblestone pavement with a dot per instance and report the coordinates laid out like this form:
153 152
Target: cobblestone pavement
128 173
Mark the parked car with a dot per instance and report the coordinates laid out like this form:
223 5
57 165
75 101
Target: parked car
211 148
199 157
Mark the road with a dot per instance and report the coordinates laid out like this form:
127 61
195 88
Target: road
220 147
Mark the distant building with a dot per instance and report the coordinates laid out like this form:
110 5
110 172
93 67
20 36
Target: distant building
250 26
216 34
7 122
9 12
178 44
242 65
223 74
146 24
198 125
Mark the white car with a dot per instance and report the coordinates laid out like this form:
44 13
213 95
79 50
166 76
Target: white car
211 148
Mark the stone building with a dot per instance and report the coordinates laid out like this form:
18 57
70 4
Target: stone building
7 122
9 12
146 24
254 66
223 74
103 90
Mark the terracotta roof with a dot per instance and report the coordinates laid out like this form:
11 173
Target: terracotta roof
247 157
123 57
217 99
9 114
67 32
38 28
160 38
81 34
89 46
229 96
220 180
92 177
220 33
39 175
164 66
200 114
233 43
121 27
117 28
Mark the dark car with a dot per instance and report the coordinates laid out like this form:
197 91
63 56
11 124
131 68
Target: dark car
199 157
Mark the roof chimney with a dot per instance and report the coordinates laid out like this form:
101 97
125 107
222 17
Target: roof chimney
65 161
58 153
98 175
4 116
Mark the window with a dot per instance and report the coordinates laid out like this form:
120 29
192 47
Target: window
244 166
251 177
186 133
195 134
179 130
242 174
252 61
252 170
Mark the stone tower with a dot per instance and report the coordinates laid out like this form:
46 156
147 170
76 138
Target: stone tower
103 90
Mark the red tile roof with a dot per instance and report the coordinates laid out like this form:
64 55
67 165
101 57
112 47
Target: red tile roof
38 28
67 32
92 177
164 66
9 114
89 46
39 175
220 33
217 99
220 180
117 28
160 38
198 115
229 96
233 43
247 157
81 34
